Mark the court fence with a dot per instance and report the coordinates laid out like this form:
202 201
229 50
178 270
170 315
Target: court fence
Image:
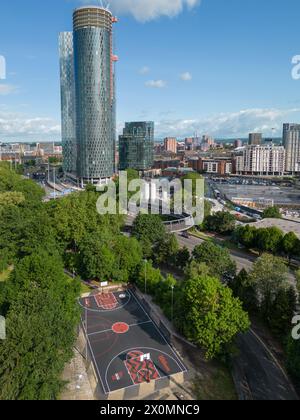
83 346
159 318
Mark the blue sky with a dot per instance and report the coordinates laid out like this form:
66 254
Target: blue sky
221 67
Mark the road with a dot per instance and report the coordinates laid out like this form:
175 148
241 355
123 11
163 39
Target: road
257 373
242 259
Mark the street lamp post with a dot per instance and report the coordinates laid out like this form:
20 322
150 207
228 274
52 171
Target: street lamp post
172 316
145 261
54 186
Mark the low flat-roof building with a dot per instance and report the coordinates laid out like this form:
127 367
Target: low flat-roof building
285 225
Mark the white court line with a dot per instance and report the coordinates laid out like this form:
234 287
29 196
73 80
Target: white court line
96 365
106 304
105 310
184 370
130 326
138 348
181 366
100 332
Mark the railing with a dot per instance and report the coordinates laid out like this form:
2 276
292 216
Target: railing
180 225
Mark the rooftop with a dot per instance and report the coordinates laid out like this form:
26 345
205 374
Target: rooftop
285 225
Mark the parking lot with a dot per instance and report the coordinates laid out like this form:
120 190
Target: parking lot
280 195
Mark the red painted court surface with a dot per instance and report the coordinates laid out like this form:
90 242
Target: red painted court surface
126 346
106 301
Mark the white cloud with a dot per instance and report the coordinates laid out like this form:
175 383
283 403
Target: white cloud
7 89
186 77
157 84
20 126
145 10
145 70
236 124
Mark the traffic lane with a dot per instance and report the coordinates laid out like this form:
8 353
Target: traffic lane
242 262
265 378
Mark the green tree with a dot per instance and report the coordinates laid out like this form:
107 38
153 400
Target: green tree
207 208
293 358
272 213
297 274
96 259
163 295
245 235
183 257
128 255
41 311
108 258
268 276
54 160
166 250
75 216
282 311
148 278
218 259
290 244
211 316
23 230
268 239
11 198
191 192
220 222
244 290
196 269
150 231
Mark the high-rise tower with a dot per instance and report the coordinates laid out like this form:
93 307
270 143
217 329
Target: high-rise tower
255 139
136 146
68 114
291 143
94 91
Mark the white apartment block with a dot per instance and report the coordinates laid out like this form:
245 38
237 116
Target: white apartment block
261 160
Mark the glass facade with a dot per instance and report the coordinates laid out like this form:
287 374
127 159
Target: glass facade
68 115
94 105
136 146
88 95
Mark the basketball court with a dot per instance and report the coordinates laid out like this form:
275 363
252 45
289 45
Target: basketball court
126 346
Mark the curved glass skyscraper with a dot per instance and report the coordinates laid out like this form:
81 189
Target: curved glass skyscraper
68 114
94 82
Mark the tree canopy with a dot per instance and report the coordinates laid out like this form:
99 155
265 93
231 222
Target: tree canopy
217 259
272 213
39 305
211 316
220 222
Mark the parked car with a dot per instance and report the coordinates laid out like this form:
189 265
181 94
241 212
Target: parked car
185 235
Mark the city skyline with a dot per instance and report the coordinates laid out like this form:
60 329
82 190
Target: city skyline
199 68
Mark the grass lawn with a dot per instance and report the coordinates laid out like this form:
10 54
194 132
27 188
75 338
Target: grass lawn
218 385
200 235
85 289
5 274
